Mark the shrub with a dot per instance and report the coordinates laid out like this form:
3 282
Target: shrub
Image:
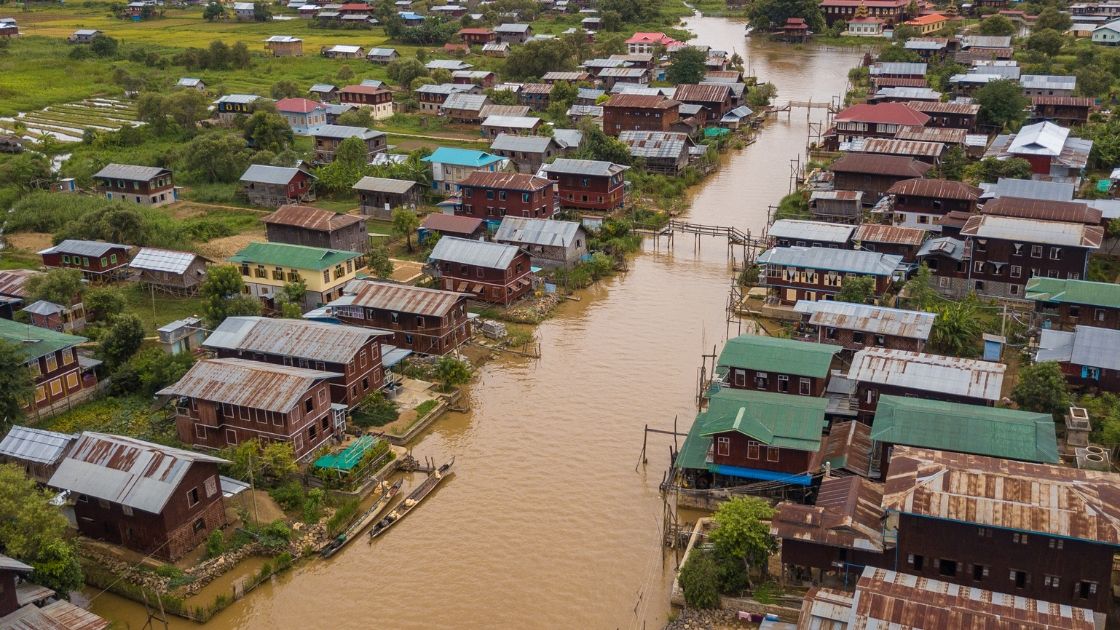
341 517
375 411
215 544
289 496
699 579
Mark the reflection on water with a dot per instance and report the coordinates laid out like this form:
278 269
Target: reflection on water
547 523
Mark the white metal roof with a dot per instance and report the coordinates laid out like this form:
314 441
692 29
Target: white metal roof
830 259
544 232
477 253
513 122
35 445
877 320
809 231
82 248
1044 138
154 259
1047 82
1086 345
1032 231
971 378
345 49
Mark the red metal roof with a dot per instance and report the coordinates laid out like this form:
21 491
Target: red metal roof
300 105
651 38
885 113
362 89
643 101
505 181
879 164
937 188
933 18
451 224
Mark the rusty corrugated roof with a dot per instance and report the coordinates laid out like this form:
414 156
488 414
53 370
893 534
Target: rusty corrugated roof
847 514
1024 496
401 298
703 93
13 281
894 146
947 135
879 164
245 383
641 101
894 234
296 338
956 376
504 181
936 188
311 218
1043 209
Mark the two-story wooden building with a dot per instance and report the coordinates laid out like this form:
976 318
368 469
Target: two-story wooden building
352 352
858 326
492 196
881 120
223 402
1062 304
452 165
873 175
952 115
818 273
588 184
427 321
971 520
528 153
883 371
773 364
274 186
492 272
1088 356
890 239
147 497
1063 110
316 227
98 261
328 137
714 99
377 196
799 233
267 267
378 100
13 290
639 112
57 373
920 203
431 97
549 243
144 185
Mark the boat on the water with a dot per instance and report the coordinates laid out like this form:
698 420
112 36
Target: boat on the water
412 500
367 517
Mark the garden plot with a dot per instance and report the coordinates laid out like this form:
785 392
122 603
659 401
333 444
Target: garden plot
67 122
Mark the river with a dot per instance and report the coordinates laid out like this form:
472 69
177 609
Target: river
546 523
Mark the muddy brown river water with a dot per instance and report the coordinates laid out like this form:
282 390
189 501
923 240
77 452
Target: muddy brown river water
546 523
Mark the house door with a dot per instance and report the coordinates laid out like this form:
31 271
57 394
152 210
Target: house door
791 295
811 296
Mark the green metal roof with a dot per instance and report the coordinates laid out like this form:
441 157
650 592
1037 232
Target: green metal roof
774 419
36 342
1073 292
973 429
292 256
773 354
694 451
348 457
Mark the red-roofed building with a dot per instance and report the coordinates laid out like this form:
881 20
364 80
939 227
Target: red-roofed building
303 114
478 36
641 43
795 29
491 196
354 8
882 120
639 112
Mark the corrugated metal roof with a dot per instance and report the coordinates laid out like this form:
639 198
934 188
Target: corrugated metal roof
451 224
83 248
443 88
1086 345
945 246
877 320
894 234
702 93
512 28
970 378
829 259
641 101
903 68
265 174
565 76
848 444
401 298
35 342
909 93
597 168
594 111
926 43
1054 500
810 231
477 253
462 157
886 599
513 122
847 514
878 164
1059 291
298 338
345 131
43 307
282 39
1043 210
977 429
782 420
545 232
292 256
123 470
13 281
322 88
130 172
503 110
1030 189
948 135
447 64
1034 231
526 144
836 195
894 146
655 144
382 184
247 383
985 41
154 259
243 99
465 101
35 445
1044 138
505 181
1047 82
311 218
789 356
825 609
930 107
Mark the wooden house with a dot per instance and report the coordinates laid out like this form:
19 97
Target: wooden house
353 353
60 317
513 33
660 151
1089 356
222 402
343 51
83 36
959 517
427 321
230 106
536 96
267 267
274 186
528 153
477 36
882 371
492 272
328 137
799 233
324 92
1063 304
315 227
639 112
13 290
150 498
59 377
1063 110
178 273
864 121
549 243
920 203
37 451
98 261
378 100
482 78
836 206
588 184
144 185
951 115
451 225
464 107
772 364
496 125
714 100
378 196
890 239
818 273
451 166
1050 149
873 175
430 98
492 196
382 56
858 326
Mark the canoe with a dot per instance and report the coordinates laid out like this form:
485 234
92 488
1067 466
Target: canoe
412 500
363 521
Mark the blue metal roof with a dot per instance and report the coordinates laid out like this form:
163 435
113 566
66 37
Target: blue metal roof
462 157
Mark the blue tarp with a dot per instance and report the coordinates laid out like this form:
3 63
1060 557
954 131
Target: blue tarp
761 475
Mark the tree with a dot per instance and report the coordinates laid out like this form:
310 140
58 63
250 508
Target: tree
239 56
1046 41
405 222
991 169
532 60
699 579
375 410
122 340
956 331
452 372
903 32
26 171
920 294
16 384
953 164
1106 143
1002 103
350 163
1042 387
214 11
357 117
1052 18
222 283
742 531
1104 409
261 12
149 371
103 303
216 157
290 299
218 55
268 131
284 89
857 290
184 107
403 71
895 52
34 531
599 146
251 459
1093 80
562 95
765 14
103 46
997 25
379 264
686 65
60 286
502 97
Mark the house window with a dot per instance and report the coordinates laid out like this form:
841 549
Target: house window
1036 251
1019 539
948 568
1086 589
327 276
761 380
783 383
1099 314
915 561
857 337
1016 271
200 431
740 378
978 266
198 525
231 436
56 387
752 450
723 447
192 497
1056 543
1051 580
772 453
1055 253
309 405
312 432
984 532
127 511
805 387
1019 578
979 572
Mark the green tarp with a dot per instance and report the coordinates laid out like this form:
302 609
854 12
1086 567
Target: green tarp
349 457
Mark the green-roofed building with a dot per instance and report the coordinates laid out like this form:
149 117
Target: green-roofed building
973 429
58 372
751 436
772 364
267 267
1065 304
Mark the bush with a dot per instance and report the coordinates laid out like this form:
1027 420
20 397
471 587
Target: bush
288 496
375 411
699 579
215 544
341 518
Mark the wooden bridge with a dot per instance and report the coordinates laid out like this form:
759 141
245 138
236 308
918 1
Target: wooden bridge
832 106
736 238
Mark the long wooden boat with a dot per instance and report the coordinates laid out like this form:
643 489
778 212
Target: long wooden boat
367 517
412 500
